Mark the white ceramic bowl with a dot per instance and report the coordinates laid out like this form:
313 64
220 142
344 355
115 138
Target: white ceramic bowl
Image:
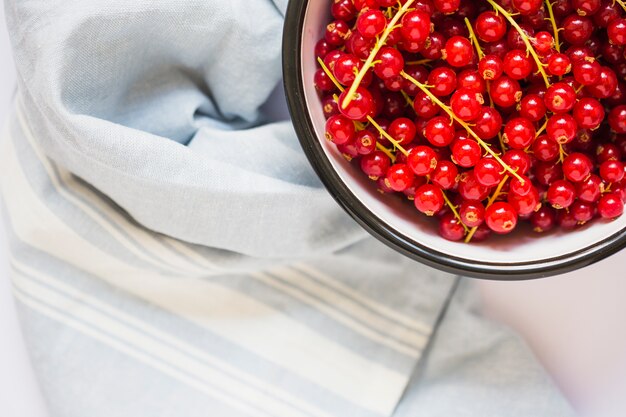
520 255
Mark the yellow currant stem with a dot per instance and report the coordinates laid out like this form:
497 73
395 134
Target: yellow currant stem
454 211
529 47
386 135
555 29
502 144
492 200
562 153
474 39
420 62
462 123
621 3
330 74
387 152
369 119
408 99
370 59
542 128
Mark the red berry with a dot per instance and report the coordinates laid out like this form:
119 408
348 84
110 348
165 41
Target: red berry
422 160
545 148
519 133
340 130
490 26
562 128
606 84
365 142
610 206
577 167
505 91
439 131
617 119
445 175
402 130
472 213
415 26
470 189
450 228
560 98
488 123
375 165
337 32
586 71
399 177
612 171
466 104
458 51
371 23
490 67
361 106
443 80
561 194
501 217
429 199
544 219
389 62
488 172
577 29
559 64
589 113
466 152
532 107
517 64
616 31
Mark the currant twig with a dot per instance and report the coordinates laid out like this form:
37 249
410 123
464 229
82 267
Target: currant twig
463 124
529 46
621 3
555 29
370 59
492 200
474 39
454 211
369 118
387 152
541 129
419 62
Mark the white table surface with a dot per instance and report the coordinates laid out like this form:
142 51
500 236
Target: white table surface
576 323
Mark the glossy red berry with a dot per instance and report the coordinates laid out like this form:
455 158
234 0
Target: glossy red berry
543 220
577 166
429 199
606 84
505 91
458 51
545 148
517 64
610 206
466 104
560 98
337 32
518 160
532 107
415 26
365 142
340 130
472 213
562 128
371 23
389 63
490 26
488 123
399 177
488 172
345 68
561 194
490 67
470 189
471 79
447 6
375 165
439 131
519 133
422 160
402 130
445 175
582 211
617 119
616 31
586 71
577 29
589 113
466 152
612 171
443 80
501 217
361 106
450 228
543 42
559 64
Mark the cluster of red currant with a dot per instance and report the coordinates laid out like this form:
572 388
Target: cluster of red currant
483 113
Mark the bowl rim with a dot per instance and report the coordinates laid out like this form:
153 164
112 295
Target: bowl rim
305 131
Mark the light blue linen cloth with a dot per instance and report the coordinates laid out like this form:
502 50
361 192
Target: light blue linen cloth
173 254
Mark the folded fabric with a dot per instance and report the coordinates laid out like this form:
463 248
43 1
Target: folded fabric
173 253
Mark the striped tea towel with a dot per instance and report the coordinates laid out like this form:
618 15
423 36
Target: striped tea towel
174 255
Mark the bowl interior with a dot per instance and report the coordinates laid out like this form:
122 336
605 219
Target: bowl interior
521 247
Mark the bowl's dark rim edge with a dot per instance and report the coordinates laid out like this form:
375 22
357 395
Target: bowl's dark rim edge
292 75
